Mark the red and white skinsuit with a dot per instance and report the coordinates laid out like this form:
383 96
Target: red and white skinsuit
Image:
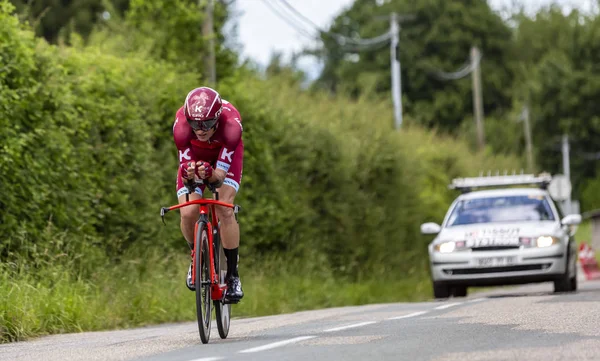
224 150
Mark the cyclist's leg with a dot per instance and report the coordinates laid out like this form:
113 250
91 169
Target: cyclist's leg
230 230
189 215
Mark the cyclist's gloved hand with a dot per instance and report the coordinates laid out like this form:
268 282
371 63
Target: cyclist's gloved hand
186 170
204 171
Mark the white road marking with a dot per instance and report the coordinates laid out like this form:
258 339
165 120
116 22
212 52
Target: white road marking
476 300
414 314
303 338
350 326
277 344
443 307
208 359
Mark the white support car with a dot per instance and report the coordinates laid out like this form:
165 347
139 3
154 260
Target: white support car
502 236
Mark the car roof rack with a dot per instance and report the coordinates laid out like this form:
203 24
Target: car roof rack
466 185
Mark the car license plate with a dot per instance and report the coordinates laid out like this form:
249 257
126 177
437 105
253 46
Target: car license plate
496 261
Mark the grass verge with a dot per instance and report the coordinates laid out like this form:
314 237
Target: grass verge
135 293
584 232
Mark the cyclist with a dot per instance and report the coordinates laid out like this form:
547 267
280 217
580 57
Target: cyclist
208 135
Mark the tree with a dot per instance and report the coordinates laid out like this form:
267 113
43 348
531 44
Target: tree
51 18
559 56
174 30
438 39
278 68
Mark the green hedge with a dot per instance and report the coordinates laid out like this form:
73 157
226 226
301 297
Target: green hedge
86 144
87 148
330 177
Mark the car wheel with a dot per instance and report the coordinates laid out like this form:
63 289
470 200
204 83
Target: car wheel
459 291
573 281
563 284
566 282
440 290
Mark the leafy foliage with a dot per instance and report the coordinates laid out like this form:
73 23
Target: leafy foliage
56 19
439 38
83 139
180 40
563 52
106 120
359 186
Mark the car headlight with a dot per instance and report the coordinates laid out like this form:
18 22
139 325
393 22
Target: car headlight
546 241
449 247
539 242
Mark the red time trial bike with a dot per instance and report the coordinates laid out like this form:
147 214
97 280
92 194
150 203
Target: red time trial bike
209 265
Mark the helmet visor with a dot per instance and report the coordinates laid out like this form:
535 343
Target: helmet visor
203 125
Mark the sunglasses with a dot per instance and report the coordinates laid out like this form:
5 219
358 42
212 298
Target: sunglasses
204 126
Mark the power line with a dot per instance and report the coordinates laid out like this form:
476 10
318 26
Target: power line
298 28
473 68
299 14
355 47
359 48
389 37
591 156
461 73
292 17
341 39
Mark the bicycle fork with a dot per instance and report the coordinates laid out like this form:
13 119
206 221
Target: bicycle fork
217 290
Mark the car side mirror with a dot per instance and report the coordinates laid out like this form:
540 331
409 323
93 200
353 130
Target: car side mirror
571 220
430 228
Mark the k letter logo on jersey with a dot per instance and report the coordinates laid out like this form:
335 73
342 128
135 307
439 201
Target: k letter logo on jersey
184 155
227 155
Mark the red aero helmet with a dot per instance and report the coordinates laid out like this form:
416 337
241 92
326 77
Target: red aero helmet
202 108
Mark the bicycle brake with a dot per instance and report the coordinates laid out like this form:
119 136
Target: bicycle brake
163 210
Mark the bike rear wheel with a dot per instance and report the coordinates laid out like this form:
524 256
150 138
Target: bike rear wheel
203 282
222 311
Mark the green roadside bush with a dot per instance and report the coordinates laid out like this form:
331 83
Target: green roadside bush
590 195
362 187
85 142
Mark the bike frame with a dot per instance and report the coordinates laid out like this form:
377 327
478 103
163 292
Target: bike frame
206 205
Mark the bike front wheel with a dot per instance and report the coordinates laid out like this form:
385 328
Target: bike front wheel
222 311
203 282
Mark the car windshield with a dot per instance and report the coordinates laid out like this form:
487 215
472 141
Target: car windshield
501 209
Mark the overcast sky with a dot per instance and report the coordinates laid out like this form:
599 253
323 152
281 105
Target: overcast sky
261 32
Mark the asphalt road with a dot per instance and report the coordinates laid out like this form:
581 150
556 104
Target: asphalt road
519 323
